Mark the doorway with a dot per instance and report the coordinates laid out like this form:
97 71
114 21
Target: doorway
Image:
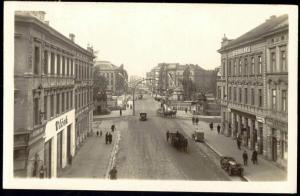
47 157
69 144
274 145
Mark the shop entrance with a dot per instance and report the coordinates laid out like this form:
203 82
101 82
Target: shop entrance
274 146
69 144
47 158
59 150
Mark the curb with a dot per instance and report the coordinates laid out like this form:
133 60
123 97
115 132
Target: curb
108 118
220 155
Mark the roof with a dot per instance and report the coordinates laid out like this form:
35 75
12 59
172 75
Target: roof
271 24
105 65
19 17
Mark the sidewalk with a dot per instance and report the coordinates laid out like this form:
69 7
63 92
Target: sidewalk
114 114
189 115
226 146
94 158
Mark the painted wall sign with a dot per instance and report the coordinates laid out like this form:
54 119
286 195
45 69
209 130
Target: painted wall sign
240 51
61 123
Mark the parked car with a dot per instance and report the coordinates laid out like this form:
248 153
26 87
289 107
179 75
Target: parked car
198 136
231 166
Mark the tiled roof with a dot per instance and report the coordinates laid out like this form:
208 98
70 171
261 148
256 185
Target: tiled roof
269 25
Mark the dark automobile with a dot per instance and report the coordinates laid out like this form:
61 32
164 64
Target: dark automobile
231 166
143 116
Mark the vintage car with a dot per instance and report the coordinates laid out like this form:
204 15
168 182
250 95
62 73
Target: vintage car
198 136
231 166
143 116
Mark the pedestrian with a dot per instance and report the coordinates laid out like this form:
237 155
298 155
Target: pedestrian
120 112
185 110
168 135
110 138
197 120
245 157
254 157
239 141
106 138
97 133
218 129
113 173
42 172
211 126
112 128
193 120
100 133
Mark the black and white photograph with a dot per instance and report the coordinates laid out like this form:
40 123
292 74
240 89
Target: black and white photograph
150 97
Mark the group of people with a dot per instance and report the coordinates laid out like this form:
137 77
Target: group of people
253 157
108 136
195 120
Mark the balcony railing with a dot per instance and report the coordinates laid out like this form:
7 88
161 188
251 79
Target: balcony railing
53 81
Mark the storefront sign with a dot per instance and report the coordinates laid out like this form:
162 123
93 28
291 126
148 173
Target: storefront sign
260 119
61 123
240 51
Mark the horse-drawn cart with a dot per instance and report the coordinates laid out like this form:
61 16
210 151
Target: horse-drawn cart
178 141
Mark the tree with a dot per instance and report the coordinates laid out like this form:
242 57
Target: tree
121 80
100 86
189 87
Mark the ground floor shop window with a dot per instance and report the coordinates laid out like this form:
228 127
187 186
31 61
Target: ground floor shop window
47 158
59 150
284 145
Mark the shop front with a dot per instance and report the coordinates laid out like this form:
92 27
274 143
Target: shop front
59 147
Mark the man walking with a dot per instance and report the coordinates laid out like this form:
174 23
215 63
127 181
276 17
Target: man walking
197 120
193 120
211 126
110 138
254 157
113 173
168 135
245 157
120 112
112 128
106 138
218 129
239 141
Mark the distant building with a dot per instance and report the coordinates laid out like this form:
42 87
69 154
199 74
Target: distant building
52 96
108 70
253 88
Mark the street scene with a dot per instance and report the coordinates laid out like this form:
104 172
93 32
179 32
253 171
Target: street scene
149 97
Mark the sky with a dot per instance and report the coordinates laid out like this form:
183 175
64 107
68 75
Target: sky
142 35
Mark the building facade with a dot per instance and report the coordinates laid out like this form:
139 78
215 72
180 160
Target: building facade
108 70
253 88
44 110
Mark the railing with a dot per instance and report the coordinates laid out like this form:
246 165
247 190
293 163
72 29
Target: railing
248 108
53 81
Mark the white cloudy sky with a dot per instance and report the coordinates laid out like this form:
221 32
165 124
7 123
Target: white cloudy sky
142 35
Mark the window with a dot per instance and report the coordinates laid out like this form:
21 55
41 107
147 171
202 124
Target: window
259 69
274 99
52 63
224 94
252 66
36 111
36 59
240 67
252 96
82 103
57 104
233 70
46 62
260 98
240 95
273 61
71 68
219 92
246 96
229 94
67 100
68 67
76 71
246 67
283 60
284 145
76 106
45 107
284 101
58 65
51 105
63 102
223 69
71 99
234 94
63 65
229 69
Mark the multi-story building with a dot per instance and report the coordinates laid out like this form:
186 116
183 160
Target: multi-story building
170 76
253 88
108 70
44 111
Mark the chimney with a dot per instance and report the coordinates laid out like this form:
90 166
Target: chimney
72 37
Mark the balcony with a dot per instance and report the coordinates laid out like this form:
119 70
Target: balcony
277 115
49 81
246 108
